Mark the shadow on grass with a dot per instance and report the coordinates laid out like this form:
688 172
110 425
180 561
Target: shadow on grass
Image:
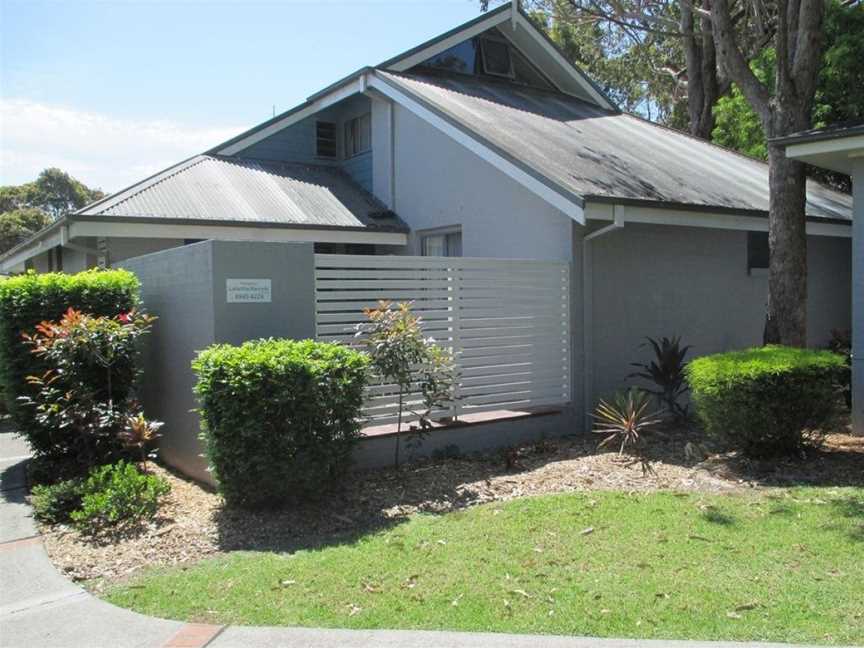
851 508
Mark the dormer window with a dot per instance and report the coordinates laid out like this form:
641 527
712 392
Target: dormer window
496 58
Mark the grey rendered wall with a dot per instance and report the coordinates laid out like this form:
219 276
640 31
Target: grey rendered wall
121 248
441 183
185 288
662 280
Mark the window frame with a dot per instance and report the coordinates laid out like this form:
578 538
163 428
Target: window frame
446 233
318 139
753 268
511 74
350 135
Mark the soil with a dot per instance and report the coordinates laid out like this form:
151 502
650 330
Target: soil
193 523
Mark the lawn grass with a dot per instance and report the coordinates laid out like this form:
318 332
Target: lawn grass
780 566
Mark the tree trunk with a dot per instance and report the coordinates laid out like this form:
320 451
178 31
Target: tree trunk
786 318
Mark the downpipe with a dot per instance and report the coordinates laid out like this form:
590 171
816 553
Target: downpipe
588 313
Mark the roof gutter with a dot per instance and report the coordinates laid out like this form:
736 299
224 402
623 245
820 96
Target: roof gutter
588 312
11 257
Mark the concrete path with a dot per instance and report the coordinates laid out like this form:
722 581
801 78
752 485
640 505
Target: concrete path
40 608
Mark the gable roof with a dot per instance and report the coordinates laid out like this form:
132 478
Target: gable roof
605 156
217 189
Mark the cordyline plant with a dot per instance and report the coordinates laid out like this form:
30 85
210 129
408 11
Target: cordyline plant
666 372
418 367
84 397
624 421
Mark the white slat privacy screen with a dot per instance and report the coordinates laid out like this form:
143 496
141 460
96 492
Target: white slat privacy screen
507 323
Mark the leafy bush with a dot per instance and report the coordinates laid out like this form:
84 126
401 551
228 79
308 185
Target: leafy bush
54 503
666 372
117 493
82 402
764 401
29 299
279 417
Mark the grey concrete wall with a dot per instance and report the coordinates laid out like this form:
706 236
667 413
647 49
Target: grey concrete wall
185 288
441 183
378 451
662 280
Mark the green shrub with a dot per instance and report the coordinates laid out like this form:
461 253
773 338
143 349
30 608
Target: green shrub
279 417
118 493
54 503
83 402
29 299
763 401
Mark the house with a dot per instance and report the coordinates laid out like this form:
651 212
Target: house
487 142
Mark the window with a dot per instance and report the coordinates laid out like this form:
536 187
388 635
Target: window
758 254
496 58
444 244
325 139
358 135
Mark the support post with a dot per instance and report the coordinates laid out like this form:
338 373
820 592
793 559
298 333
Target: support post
858 297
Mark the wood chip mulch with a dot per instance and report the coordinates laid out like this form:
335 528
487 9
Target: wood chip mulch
193 524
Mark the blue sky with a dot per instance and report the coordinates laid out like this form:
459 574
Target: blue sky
113 91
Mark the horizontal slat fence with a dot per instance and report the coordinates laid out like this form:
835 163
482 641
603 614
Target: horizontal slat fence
507 323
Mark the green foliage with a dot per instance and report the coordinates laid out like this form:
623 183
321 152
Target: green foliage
20 224
630 65
765 401
279 417
666 372
839 90
54 503
737 126
423 372
25 209
841 343
28 300
117 493
83 399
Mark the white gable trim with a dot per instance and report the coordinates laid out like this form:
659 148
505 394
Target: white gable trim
563 63
343 92
554 198
443 45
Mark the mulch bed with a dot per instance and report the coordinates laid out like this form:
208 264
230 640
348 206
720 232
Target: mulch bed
193 523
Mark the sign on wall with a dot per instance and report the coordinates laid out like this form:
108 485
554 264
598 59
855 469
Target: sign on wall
247 291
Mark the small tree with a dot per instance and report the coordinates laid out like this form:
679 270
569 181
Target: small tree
401 355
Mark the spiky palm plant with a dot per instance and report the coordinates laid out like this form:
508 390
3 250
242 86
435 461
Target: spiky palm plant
624 420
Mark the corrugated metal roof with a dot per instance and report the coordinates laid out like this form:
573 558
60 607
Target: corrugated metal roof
604 155
212 188
834 131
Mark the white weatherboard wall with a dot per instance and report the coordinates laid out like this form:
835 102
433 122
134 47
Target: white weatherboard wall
507 323
440 183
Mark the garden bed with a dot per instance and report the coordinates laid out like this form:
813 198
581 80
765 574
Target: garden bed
193 524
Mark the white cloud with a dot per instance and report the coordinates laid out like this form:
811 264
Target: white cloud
100 150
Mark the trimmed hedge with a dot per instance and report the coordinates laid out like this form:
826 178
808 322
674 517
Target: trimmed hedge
763 400
279 417
29 299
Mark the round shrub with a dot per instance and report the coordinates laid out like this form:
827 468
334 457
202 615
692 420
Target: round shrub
115 494
763 401
279 417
